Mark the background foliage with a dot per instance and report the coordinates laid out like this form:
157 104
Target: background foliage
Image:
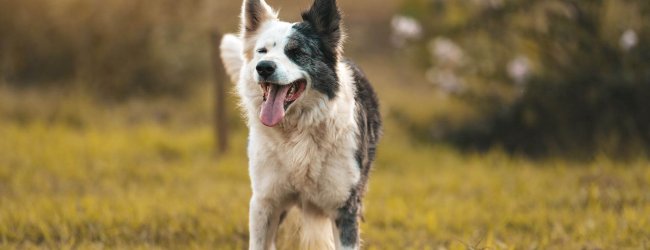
116 48
582 80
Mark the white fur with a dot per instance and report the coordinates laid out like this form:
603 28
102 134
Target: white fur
232 55
316 231
274 38
308 159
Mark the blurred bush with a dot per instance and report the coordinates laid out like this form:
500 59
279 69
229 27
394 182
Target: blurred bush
565 77
118 48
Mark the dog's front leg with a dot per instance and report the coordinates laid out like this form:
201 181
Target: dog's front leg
263 224
347 223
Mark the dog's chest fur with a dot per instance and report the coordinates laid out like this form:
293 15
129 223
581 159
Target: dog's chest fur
310 156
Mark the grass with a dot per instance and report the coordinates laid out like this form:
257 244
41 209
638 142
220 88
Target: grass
77 174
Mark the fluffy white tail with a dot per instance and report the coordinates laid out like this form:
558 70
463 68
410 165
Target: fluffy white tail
232 55
316 232
305 230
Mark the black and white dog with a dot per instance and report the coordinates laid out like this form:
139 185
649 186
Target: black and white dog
314 124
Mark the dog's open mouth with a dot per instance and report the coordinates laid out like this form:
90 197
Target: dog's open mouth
278 98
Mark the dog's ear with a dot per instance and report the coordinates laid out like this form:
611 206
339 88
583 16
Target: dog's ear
254 14
325 17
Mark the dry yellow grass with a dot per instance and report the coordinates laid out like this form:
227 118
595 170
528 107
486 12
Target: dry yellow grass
75 174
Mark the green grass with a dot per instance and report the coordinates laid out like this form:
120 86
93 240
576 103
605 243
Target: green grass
78 174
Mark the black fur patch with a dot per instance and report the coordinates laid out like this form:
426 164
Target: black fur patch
369 122
368 119
307 49
348 220
325 17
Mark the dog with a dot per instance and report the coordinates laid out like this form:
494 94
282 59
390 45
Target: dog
314 124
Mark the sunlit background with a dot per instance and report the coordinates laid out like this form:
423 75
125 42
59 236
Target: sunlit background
509 124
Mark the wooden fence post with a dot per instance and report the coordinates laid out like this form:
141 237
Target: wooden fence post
220 111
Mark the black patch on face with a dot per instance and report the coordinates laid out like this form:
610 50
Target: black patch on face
315 45
307 49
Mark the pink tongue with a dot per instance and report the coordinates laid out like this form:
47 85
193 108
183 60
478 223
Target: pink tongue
273 107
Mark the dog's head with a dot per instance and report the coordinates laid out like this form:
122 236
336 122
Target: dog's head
290 66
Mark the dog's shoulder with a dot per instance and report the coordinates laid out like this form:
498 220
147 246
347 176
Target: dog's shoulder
368 115
365 95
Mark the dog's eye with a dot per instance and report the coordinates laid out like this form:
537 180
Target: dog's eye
262 51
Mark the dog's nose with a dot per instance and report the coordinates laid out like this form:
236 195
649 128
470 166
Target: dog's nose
266 68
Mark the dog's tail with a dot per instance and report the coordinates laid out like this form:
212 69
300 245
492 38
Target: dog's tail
232 55
317 232
314 231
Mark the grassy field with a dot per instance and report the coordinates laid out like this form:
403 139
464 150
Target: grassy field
76 174
80 173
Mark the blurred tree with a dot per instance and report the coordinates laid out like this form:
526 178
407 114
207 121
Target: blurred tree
118 48
552 76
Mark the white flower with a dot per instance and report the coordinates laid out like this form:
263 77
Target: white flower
519 69
404 29
489 3
445 51
446 80
629 40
